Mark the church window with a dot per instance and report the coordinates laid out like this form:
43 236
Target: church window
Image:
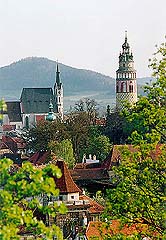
123 64
59 99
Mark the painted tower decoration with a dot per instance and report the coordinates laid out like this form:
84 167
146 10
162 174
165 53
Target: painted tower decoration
126 85
58 93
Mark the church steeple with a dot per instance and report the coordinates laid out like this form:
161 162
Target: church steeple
126 86
58 93
58 80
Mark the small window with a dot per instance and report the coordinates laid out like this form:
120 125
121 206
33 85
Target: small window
72 197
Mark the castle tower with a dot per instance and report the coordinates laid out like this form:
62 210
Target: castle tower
126 85
58 94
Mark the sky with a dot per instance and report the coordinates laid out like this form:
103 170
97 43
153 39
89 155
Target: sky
84 34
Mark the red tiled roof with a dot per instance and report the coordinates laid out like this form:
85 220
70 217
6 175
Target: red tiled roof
8 127
90 173
94 206
4 146
39 158
93 229
66 183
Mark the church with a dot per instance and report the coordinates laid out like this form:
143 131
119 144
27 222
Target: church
35 104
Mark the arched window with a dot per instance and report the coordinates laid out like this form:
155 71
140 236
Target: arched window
27 122
130 88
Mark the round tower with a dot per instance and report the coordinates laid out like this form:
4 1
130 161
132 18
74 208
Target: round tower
126 85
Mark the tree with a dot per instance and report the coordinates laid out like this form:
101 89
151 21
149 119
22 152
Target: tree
21 200
99 146
87 105
78 130
64 150
148 117
139 195
3 107
114 129
40 135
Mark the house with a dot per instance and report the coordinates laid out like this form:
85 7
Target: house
81 208
15 144
12 115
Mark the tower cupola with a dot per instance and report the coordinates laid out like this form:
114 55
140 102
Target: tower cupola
51 116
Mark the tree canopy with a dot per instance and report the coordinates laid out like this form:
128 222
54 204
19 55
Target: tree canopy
139 195
22 196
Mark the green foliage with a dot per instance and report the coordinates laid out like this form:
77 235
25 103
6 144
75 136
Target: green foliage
99 146
78 129
139 196
148 118
64 150
3 107
115 127
22 200
40 135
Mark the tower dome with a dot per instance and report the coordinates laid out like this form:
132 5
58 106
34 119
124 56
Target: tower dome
126 85
51 116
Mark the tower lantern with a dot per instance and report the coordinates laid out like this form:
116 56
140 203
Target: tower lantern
126 85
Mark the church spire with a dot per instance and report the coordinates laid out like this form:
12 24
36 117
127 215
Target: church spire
125 36
58 80
58 93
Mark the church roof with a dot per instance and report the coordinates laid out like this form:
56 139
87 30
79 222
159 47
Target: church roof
36 100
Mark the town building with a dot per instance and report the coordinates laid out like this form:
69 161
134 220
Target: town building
126 84
81 208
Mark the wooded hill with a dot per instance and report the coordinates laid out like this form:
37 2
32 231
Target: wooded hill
40 72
